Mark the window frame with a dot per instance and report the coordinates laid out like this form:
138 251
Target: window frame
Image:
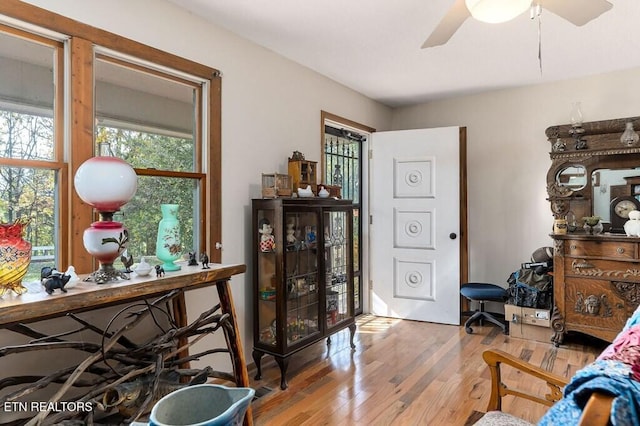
74 122
57 163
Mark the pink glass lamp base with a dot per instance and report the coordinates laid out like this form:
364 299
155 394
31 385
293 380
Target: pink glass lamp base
106 240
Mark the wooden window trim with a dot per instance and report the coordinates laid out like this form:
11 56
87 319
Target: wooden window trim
57 163
82 39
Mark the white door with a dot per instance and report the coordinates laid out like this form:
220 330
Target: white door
415 224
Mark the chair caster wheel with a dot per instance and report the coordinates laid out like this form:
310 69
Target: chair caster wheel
469 330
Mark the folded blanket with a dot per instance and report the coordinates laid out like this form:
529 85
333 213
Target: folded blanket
605 376
616 372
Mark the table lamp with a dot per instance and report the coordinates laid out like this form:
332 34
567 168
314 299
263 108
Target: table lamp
106 183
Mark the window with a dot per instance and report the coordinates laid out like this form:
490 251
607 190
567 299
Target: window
31 166
159 112
148 117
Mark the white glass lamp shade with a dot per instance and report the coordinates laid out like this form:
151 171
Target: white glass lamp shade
576 114
106 183
496 11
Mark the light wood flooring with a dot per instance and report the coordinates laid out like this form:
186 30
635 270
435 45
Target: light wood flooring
405 373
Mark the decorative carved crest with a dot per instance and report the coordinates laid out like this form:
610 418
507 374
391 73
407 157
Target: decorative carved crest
555 190
630 292
592 304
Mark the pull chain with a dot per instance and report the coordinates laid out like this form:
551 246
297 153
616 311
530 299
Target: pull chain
536 12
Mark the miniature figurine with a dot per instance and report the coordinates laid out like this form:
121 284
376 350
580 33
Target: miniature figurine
204 259
192 259
52 279
291 238
305 192
297 156
267 241
143 269
323 193
310 234
159 271
127 261
74 280
58 280
46 272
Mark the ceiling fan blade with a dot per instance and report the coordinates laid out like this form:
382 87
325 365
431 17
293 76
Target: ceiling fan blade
448 25
578 12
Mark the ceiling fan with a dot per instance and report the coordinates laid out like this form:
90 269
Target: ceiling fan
578 12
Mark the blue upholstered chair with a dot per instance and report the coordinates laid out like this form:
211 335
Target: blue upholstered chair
481 293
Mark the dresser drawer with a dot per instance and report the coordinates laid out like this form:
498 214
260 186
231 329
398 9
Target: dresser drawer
594 303
604 249
610 270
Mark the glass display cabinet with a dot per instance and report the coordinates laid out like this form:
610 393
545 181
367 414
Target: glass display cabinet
303 275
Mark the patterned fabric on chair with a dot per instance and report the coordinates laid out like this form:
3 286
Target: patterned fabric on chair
498 418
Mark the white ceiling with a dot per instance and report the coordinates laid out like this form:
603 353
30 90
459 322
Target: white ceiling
373 46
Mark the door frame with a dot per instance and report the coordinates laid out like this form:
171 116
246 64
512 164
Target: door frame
364 194
341 122
464 218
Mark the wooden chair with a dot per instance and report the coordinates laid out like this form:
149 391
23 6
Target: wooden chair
596 411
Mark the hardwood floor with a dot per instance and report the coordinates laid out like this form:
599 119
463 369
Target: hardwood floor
405 373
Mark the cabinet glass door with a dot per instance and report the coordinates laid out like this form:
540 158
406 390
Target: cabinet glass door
267 276
301 275
337 258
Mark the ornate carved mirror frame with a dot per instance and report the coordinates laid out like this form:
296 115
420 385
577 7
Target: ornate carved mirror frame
594 145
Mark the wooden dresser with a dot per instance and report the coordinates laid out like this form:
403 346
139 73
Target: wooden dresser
596 277
596 284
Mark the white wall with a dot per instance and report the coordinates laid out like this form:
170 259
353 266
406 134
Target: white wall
270 107
508 158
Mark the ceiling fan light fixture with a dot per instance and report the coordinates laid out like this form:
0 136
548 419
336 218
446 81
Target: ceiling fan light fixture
496 11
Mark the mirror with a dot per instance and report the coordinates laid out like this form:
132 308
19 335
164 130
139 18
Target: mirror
573 177
608 184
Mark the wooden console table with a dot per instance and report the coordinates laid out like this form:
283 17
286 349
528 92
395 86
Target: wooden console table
16 311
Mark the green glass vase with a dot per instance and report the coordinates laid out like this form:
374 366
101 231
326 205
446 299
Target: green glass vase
168 243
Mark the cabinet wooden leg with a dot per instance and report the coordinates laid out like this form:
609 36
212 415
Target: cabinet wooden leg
283 363
352 332
328 340
257 357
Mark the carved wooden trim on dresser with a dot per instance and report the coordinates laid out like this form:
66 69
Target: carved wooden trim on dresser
591 305
584 268
558 248
596 277
630 292
557 325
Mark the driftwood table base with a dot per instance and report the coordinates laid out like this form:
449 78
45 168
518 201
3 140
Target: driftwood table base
119 380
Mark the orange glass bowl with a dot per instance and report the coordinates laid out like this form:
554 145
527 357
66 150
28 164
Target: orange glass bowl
15 255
